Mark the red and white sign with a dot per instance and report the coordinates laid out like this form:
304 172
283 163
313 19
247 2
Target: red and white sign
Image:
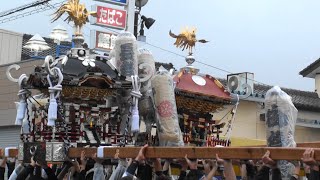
111 17
104 40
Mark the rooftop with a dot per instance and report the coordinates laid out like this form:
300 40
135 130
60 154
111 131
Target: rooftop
27 54
311 70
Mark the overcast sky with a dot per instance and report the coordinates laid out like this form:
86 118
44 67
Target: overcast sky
274 39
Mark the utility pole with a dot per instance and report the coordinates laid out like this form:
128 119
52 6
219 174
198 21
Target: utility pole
136 22
131 16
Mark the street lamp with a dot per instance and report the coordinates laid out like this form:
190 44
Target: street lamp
36 44
141 3
148 22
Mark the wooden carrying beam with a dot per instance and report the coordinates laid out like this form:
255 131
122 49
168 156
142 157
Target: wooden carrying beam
276 153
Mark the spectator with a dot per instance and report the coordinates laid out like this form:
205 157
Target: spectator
119 171
268 165
183 170
161 174
3 168
210 168
28 171
194 172
99 173
309 160
11 166
130 172
228 168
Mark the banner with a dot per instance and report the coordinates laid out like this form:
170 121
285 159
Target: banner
110 17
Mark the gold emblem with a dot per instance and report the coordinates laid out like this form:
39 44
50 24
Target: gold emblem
77 13
186 39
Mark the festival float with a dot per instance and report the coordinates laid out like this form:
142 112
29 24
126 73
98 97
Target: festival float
84 102
198 97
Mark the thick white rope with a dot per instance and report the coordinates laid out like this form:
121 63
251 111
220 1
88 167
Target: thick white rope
135 93
234 111
54 94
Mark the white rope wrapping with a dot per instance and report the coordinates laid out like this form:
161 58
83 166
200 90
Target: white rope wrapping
7 149
135 93
100 151
54 94
228 136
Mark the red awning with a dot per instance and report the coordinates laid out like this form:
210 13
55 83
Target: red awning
205 85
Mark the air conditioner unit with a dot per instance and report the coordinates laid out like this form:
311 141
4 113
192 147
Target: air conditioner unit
241 83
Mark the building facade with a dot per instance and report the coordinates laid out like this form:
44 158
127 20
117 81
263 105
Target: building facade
250 126
10 46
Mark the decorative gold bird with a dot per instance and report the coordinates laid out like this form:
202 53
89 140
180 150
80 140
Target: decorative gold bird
77 13
186 39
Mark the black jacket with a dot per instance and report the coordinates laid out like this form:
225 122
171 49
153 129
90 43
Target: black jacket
263 174
50 173
2 171
28 170
314 175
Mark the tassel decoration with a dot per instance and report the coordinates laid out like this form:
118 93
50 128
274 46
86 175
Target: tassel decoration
21 111
135 120
52 112
135 93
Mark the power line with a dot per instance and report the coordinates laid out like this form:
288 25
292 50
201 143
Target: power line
165 50
185 56
200 62
56 5
23 7
38 9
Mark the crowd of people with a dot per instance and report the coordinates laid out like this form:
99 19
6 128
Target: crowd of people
92 168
